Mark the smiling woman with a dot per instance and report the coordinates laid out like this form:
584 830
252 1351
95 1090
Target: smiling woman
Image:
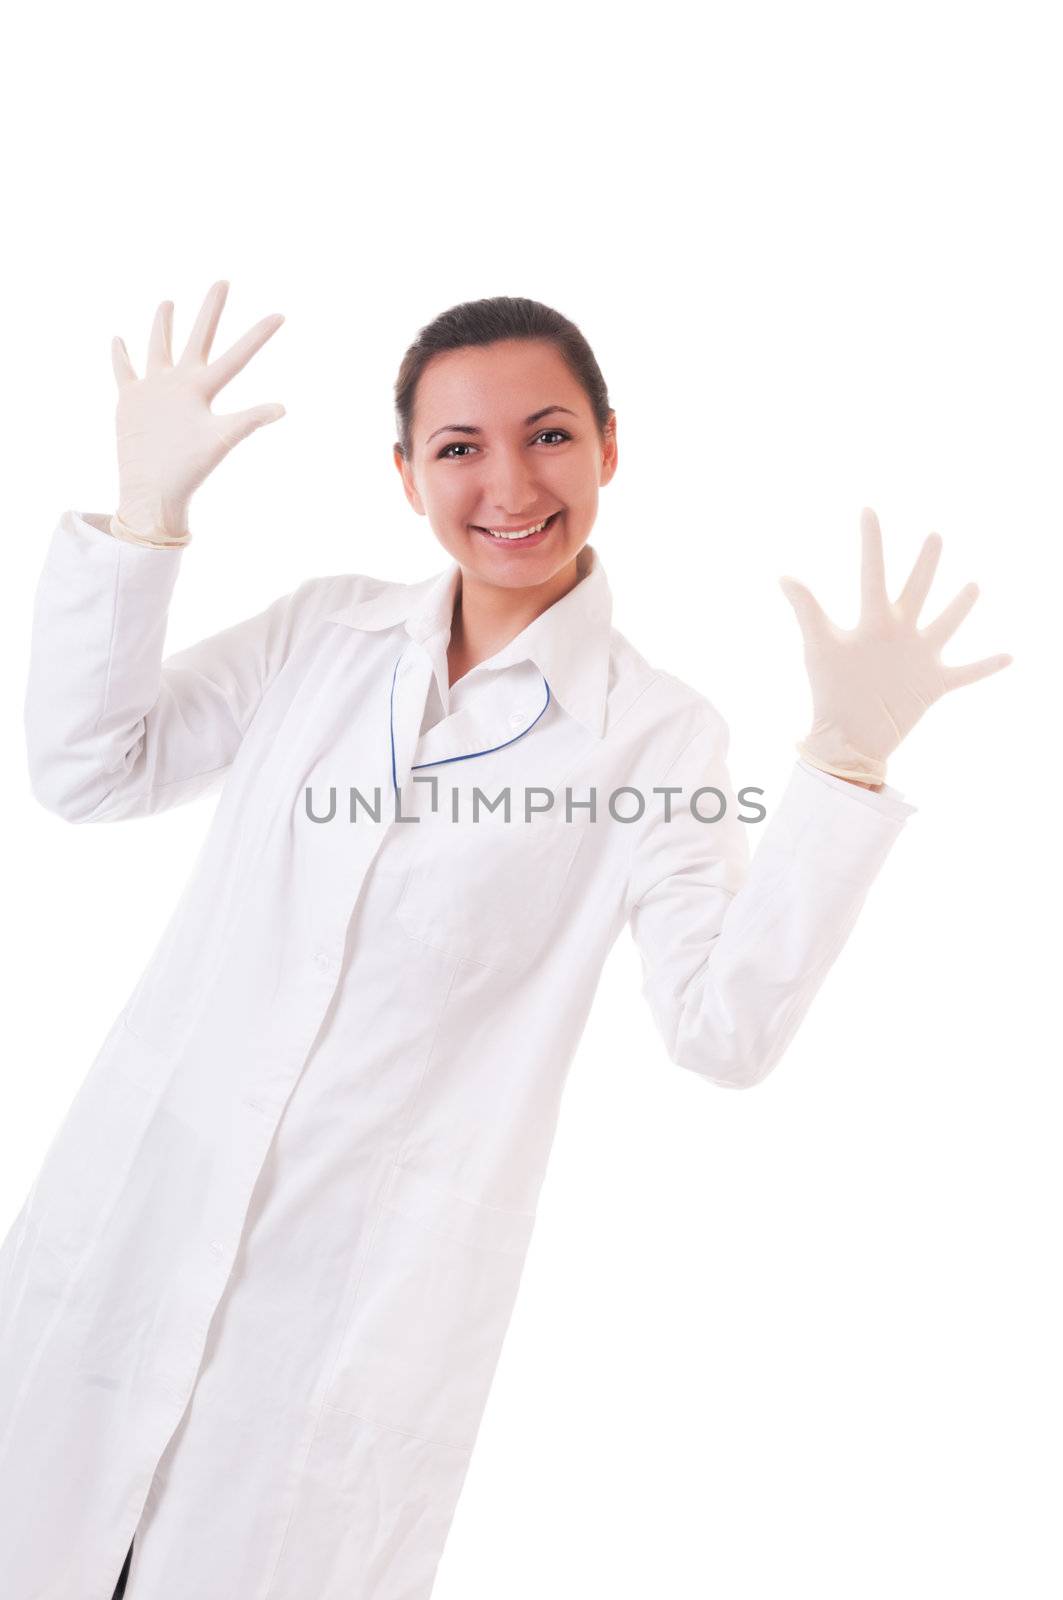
254 1300
512 501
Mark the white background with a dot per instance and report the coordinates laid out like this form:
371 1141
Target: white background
803 1339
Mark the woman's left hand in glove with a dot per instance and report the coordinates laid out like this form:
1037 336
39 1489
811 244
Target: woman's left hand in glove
872 683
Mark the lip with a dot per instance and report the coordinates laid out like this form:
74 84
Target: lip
529 543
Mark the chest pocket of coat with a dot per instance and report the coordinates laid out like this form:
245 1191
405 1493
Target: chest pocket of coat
491 891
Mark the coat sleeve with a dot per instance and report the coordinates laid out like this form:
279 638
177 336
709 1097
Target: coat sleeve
733 951
112 730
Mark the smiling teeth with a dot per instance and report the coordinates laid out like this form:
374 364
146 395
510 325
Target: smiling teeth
499 533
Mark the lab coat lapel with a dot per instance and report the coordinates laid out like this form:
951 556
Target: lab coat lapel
401 718
562 656
504 708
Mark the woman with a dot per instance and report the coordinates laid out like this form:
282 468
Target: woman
253 1304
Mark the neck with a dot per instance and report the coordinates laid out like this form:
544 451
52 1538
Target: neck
487 616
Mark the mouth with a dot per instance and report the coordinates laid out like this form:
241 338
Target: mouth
534 533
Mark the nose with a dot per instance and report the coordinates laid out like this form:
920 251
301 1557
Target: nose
512 492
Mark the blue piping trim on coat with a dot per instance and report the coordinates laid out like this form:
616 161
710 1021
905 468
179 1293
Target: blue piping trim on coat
447 759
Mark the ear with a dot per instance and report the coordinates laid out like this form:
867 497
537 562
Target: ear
408 483
609 449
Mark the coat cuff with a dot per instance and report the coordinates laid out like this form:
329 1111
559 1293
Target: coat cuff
889 801
90 523
836 825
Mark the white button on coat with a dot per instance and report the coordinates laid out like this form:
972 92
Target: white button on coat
252 1306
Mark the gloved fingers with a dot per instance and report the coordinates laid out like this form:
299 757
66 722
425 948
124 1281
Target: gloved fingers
944 626
197 351
813 620
912 596
222 370
160 357
123 367
956 677
874 601
236 425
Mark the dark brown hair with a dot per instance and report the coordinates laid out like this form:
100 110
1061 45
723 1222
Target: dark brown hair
479 322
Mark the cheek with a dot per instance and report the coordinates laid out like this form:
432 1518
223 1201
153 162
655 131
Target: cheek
582 471
447 492
577 486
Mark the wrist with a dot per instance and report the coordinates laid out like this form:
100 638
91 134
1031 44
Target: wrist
841 760
151 512
830 752
137 529
862 784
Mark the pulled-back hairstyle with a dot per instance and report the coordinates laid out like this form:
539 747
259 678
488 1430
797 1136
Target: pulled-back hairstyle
480 322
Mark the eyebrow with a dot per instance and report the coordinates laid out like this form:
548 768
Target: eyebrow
467 427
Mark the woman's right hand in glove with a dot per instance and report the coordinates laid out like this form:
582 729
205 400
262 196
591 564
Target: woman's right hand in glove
169 440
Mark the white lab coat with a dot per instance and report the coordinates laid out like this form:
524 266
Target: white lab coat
252 1306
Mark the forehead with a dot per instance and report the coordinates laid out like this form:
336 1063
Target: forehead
500 382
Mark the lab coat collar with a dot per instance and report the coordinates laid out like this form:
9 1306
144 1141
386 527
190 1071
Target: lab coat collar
568 642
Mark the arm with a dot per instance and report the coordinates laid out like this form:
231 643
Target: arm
732 952
113 730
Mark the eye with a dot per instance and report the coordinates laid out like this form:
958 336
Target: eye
444 454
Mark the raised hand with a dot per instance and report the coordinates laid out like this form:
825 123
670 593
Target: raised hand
872 683
168 437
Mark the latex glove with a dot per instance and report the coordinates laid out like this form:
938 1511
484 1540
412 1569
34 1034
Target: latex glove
168 437
872 683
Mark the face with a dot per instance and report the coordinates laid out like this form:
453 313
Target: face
503 437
